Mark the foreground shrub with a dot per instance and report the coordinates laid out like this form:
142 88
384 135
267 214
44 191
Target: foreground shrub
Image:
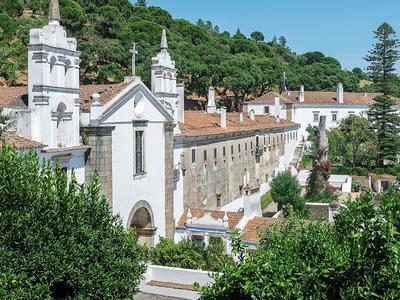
58 239
189 254
357 258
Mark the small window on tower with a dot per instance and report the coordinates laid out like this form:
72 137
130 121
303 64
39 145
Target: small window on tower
266 110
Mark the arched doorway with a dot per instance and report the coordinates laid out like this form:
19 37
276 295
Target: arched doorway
142 220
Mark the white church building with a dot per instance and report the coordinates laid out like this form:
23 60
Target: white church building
154 160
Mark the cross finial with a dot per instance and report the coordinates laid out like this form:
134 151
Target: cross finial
134 53
54 12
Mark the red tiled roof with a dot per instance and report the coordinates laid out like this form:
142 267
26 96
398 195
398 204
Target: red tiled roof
233 217
269 98
254 228
17 96
198 123
19 142
320 98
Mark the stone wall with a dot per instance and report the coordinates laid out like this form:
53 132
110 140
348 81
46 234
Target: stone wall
212 182
169 181
99 157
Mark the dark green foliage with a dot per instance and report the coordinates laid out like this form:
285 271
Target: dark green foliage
386 124
59 239
382 58
188 254
285 191
357 258
105 27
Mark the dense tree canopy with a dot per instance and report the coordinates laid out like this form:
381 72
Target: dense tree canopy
107 29
59 240
357 258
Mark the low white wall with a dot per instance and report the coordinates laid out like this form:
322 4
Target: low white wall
177 276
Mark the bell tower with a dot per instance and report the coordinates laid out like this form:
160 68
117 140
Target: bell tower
53 83
163 77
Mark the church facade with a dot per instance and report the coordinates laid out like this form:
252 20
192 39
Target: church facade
154 159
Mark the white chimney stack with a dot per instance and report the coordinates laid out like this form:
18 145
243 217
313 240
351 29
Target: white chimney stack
301 95
223 117
211 108
339 93
277 107
95 108
241 117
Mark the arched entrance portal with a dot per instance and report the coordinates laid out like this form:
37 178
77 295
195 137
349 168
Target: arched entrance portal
142 220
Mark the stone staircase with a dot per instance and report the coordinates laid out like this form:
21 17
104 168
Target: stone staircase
298 154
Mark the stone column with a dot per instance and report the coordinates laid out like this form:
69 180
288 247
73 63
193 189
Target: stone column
169 180
99 157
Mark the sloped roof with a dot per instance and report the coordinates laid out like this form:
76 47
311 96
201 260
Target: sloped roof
254 228
198 123
18 96
269 98
19 142
320 98
233 217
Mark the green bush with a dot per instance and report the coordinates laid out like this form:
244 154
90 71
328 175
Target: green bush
379 171
189 254
357 258
285 191
59 239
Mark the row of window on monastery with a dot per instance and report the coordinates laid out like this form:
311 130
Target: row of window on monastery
272 141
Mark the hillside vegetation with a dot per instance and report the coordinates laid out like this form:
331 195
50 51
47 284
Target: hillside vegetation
107 29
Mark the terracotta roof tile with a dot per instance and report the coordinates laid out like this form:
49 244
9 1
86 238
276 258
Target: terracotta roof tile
254 228
320 98
198 123
19 142
269 98
233 217
18 96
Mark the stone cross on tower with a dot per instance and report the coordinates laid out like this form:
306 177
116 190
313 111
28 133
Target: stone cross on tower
134 53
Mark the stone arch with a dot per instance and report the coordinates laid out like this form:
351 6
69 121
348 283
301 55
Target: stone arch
141 218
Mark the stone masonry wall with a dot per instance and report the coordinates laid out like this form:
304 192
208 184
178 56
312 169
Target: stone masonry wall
99 157
169 181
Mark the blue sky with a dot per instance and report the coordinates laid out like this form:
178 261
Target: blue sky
339 28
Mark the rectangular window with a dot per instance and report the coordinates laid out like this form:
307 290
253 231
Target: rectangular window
251 145
352 113
245 147
334 116
215 152
239 148
266 109
205 155
316 116
223 152
231 149
218 200
193 156
139 150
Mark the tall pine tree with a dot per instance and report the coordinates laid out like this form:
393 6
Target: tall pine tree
385 121
383 57
386 124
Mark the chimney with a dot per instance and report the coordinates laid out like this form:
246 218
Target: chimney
223 117
251 114
241 117
339 93
211 108
252 204
277 107
95 109
301 94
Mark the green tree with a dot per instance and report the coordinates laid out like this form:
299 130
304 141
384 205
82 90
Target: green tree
141 3
109 21
359 140
13 8
59 239
383 57
386 124
72 15
355 258
285 191
282 41
257 36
